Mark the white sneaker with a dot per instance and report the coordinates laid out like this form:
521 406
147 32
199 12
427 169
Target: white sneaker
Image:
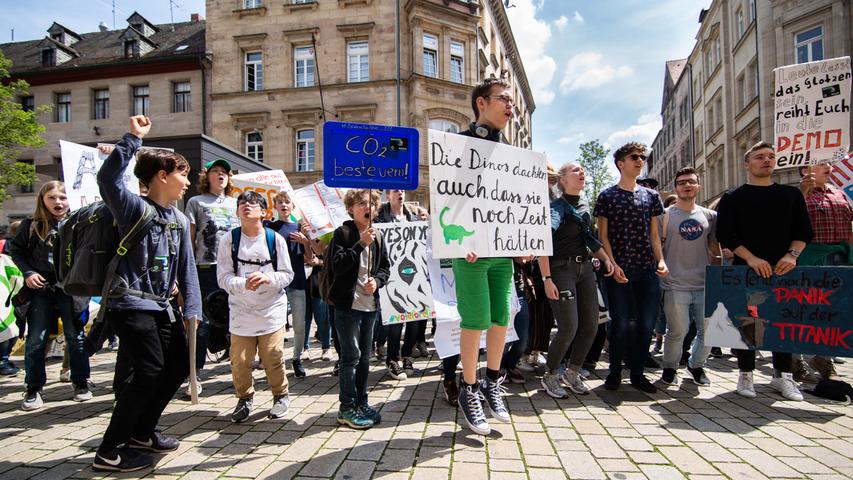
745 385
524 366
540 359
65 376
198 387
787 387
327 355
306 356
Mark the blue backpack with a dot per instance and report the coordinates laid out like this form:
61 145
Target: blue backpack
235 247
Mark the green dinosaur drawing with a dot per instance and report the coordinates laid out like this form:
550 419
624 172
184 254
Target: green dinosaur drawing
452 232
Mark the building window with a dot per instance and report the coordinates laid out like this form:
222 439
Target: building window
808 45
28 103
255 146
48 57
754 84
183 97
431 55
358 62
751 11
102 104
63 107
303 66
740 92
140 100
305 151
131 48
444 126
254 71
252 3
739 25
457 62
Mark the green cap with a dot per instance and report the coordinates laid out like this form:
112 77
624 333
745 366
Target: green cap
219 162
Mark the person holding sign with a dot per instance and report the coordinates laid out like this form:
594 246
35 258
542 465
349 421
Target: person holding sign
571 285
359 267
628 225
484 285
767 226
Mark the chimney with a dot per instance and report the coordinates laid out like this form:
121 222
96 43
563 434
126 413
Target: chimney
194 17
103 26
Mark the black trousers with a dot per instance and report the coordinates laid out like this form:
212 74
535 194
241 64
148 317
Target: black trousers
157 349
410 338
782 361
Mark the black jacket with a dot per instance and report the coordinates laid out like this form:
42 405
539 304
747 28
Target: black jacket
344 253
30 253
385 216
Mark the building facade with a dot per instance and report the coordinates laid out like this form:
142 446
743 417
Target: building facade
281 69
95 81
730 72
671 147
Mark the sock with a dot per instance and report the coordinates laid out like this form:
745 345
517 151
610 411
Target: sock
493 375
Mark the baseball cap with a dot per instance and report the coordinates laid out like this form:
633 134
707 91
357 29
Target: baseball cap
219 162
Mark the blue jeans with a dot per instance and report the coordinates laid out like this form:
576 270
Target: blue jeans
45 307
5 351
296 298
355 333
514 350
681 307
318 309
643 292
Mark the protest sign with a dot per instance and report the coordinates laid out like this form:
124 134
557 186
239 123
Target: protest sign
487 197
267 184
805 311
268 177
407 296
447 329
80 165
812 112
322 207
11 281
357 155
842 177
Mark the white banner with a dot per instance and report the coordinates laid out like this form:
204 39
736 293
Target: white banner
268 177
407 296
322 206
487 197
812 112
80 165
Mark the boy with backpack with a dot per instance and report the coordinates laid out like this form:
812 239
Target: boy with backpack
254 269
137 300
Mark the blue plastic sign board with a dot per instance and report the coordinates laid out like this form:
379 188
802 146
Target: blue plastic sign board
357 155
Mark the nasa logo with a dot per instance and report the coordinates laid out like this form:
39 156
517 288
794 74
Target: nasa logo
690 229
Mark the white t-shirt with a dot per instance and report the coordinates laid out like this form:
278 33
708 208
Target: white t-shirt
263 311
363 301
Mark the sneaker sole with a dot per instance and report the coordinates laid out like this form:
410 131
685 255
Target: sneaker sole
276 416
347 423
30 409
478 431
699 384
109 468
674 383
745 394
152 448
551 394
577 392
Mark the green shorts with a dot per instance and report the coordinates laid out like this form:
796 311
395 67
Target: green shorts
483 292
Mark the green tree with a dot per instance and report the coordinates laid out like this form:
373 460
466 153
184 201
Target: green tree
18 129
598 176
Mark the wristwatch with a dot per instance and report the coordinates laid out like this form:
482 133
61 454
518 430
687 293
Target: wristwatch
794 252
545 278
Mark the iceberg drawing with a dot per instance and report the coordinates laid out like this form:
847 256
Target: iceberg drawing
721 332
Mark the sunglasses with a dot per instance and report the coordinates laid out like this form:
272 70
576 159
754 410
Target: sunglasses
637 156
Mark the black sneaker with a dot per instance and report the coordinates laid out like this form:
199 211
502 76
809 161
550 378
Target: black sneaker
395 370
123 459
493 393
242 410
643 384
7 369
716 352
157 443
337 368
451 391
470 401
298 371
613 380
408 366
699 377
668 376
371 413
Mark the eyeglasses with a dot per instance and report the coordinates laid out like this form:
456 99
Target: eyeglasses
681 183
251 203
637 156
506 99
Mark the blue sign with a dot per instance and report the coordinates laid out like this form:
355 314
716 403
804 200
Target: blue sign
357 155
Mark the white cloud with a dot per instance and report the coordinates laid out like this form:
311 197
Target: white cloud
571 139
586 70
561 22
578 17
643 131
531 36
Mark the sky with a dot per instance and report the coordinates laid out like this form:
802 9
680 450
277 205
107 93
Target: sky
596 68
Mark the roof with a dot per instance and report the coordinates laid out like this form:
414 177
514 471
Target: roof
674 68
99 48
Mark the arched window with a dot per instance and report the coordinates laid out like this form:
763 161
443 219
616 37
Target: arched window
444 125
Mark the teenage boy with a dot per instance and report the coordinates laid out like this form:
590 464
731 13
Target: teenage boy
628 226
769 240
358 265
688 245
257 303
483 286
138 307
299 255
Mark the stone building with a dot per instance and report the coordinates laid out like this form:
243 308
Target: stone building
281 69
730 70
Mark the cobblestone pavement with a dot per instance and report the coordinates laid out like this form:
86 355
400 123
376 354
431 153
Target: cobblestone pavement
683 432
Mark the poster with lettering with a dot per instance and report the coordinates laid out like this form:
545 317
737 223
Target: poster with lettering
11 281
267 184
812 110
447 327
80 165
805 311
407 297
487 197
322 206
842 177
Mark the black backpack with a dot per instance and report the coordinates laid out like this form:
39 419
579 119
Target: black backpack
235 248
